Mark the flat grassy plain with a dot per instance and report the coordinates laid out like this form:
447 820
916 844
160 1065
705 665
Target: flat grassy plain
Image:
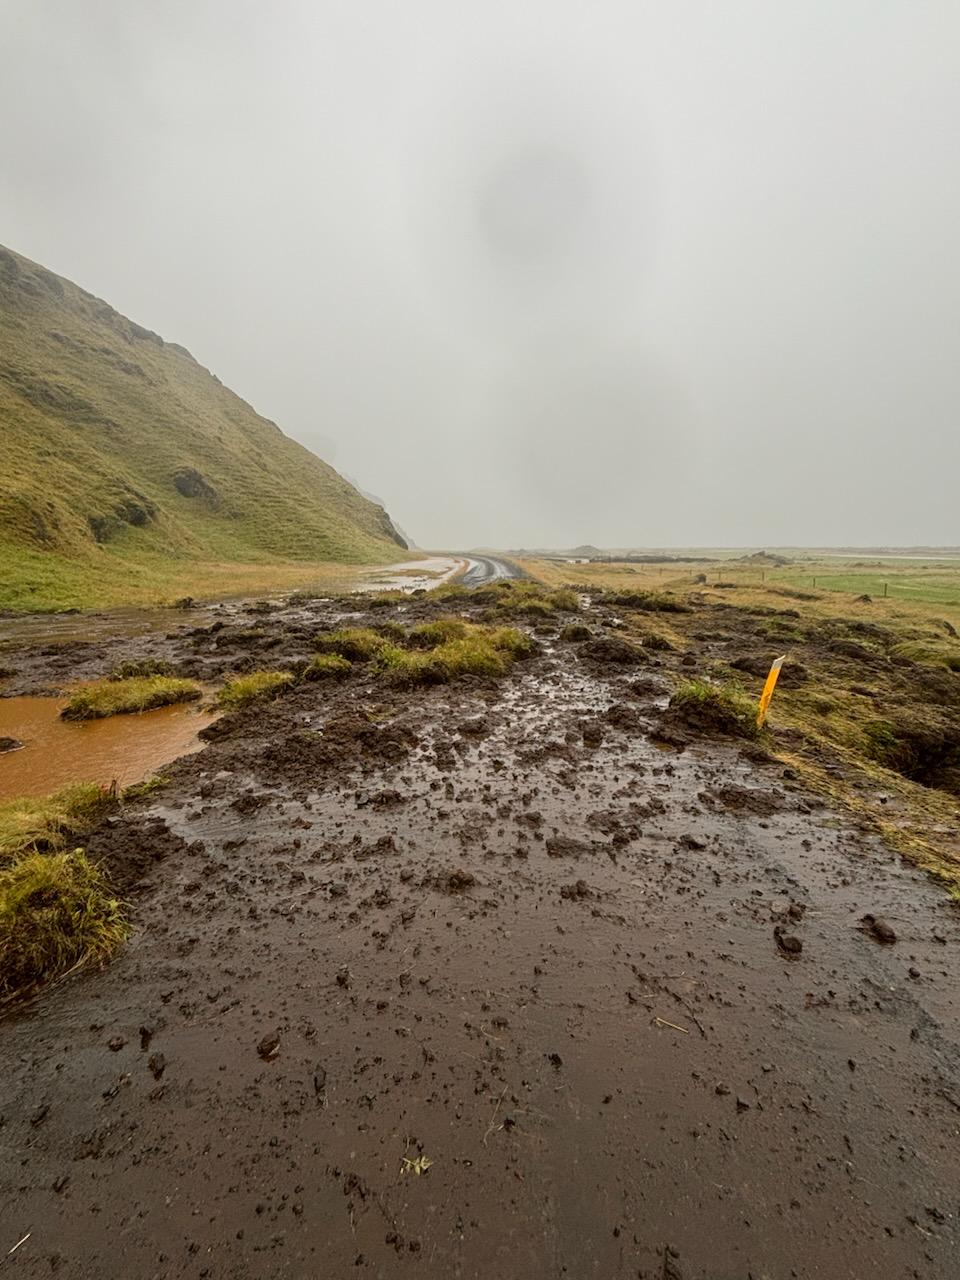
867 711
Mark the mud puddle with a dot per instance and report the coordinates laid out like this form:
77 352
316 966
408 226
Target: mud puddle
58 752
415 575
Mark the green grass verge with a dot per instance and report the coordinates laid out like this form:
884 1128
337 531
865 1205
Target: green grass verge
121 697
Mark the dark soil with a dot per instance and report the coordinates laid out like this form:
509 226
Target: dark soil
479 981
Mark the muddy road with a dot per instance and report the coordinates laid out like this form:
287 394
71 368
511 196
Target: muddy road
481 981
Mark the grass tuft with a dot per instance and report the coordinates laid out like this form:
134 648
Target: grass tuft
143 667
430 634
529 598
328 666
56 912
120 697
647 601
935 653
242 690
715 710
38 823
479 651
575 632
357 644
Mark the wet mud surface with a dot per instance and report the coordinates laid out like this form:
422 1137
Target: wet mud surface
482 981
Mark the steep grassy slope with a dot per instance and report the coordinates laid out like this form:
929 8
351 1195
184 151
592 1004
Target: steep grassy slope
130 470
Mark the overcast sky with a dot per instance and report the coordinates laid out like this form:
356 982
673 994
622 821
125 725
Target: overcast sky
684 272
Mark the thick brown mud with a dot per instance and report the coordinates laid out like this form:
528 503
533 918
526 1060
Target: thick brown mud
482 982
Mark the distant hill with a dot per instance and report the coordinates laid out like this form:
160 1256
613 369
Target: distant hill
126 464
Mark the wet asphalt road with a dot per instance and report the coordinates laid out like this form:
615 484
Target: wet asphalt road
485 569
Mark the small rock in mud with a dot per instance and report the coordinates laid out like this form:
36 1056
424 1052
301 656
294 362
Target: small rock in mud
555 1060
567 847
746 799
249 802
478 727
320 1082
688 841
622 716
338 889
116 1043
671 1265
788 943
578 890
157 1064
878 928
269 1046
10 744
386 799
607 651
386 844
455 881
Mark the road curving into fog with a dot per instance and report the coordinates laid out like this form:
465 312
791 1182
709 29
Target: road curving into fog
482 570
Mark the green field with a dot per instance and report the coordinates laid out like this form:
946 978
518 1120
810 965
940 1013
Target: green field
934 586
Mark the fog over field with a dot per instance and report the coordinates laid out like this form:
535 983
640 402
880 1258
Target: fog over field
625 273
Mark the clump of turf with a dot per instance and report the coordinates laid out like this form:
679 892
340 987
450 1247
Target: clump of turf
327 666
509 640
257 685
56 911
530 599
927 752
647 601
575 632
714 710
38 823
407 666
142 667
430 634
479 651
357 644
939 653
120 697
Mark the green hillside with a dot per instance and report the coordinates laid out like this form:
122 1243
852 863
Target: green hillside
130 472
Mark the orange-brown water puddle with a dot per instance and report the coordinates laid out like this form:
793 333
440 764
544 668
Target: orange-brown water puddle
58 752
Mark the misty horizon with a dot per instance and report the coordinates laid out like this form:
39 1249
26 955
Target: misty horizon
638 278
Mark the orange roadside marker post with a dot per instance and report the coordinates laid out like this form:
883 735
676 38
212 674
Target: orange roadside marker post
768 688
